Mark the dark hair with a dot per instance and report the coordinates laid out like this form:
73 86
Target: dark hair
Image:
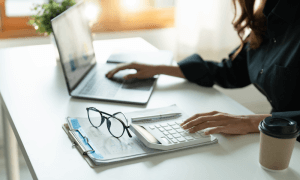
256 21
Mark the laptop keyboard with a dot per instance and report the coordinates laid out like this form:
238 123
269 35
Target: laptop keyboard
101 86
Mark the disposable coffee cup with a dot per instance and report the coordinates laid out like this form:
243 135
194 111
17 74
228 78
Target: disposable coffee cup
277 140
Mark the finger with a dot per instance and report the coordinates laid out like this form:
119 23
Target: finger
236 129
138 75
208 125
203 119
198 115
111 73
122 64
216 130
229 129
130 76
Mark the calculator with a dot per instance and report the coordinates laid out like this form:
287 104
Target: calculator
169 135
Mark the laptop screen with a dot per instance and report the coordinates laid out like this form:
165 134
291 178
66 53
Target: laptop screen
75 43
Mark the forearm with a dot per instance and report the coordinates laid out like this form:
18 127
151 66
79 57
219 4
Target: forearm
170 70
255 119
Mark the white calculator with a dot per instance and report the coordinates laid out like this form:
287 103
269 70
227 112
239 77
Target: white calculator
167 135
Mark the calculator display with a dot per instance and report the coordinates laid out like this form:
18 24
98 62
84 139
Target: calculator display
146 134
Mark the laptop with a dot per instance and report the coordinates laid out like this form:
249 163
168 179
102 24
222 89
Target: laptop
85 78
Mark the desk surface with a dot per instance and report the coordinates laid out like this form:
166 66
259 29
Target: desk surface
36 97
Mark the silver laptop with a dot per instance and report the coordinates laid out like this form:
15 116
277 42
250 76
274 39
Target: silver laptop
84 77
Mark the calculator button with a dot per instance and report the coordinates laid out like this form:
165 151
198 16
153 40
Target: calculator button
180 130
196 136
202 134
178 122
165 132
161 129
189 138
163 124
174 140
176 135
176 126
205 136
172 123
172 132
151 127
168 128
157 125
170 136
181 139
165 140
184 134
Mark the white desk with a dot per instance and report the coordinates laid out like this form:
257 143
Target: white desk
35 102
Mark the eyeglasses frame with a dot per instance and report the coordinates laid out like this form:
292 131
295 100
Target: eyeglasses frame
108 123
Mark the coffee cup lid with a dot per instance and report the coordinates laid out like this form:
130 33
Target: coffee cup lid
283 128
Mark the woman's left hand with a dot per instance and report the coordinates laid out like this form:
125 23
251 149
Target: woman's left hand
224 123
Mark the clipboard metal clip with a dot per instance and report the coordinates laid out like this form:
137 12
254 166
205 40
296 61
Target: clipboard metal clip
77 142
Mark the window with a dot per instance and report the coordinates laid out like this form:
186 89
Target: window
111 15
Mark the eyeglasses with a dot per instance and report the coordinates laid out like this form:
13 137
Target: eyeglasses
115 122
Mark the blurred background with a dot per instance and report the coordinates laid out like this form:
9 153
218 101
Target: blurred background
182 26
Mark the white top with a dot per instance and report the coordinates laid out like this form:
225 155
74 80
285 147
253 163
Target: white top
35 94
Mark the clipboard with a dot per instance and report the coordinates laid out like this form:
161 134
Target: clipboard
77 145
136 148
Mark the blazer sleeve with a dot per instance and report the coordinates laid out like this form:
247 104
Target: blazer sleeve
227 74
294 115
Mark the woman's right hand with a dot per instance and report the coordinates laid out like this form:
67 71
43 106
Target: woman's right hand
143 71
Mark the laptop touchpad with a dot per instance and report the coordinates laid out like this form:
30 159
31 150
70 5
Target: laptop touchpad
139 84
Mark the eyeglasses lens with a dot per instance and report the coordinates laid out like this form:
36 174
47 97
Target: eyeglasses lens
117 128
95 118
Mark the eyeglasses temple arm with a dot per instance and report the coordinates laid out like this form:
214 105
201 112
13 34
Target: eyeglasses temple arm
128 131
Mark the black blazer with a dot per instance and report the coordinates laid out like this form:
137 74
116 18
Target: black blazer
274 68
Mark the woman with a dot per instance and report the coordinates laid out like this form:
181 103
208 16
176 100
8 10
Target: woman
269 58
